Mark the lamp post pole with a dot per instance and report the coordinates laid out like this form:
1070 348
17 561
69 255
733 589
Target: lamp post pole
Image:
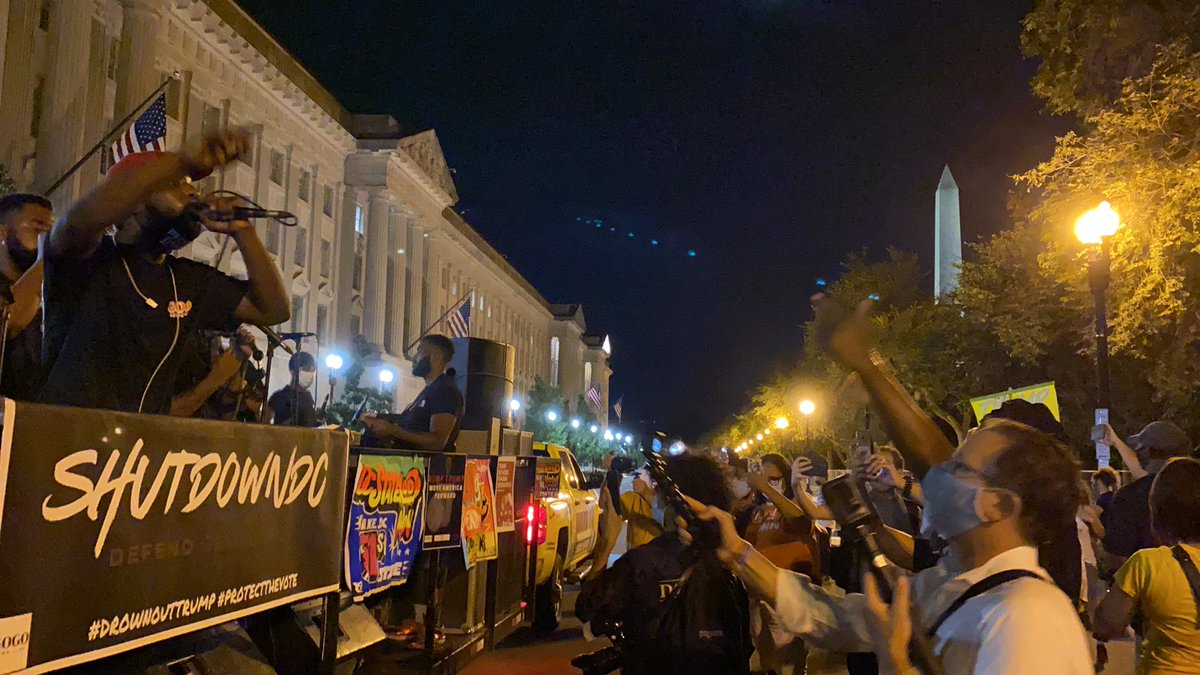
1093 228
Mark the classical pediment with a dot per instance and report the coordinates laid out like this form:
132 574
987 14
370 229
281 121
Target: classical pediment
425 150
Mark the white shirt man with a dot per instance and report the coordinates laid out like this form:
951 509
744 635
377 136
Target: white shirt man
1023 626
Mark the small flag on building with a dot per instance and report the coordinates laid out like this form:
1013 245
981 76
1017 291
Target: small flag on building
147 133
617 408
459 321
593 398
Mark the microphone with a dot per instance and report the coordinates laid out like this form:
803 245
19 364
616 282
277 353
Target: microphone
275 339
248 213
296 336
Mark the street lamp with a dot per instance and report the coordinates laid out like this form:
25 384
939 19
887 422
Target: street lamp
386 376
551 416
594 428
575 423
1093 228
608 434
759 437
334 362
807 408
514 405
628 438
781 423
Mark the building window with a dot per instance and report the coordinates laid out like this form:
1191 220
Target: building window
305 181
277 167
44 15
274 236
173 95
358 261
297 312
326 257
355 325
587 376
301 250
210 122
327 207
322 322
114 48
39 100
251 149
445 277
554 361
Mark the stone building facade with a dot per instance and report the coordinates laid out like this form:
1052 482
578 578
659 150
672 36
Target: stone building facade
379 250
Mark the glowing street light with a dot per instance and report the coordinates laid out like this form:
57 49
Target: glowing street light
807 407
759 437
575 423
767 431
334 362
514 405
750 442
1098 223
386 376
1092 228
628 438
608 434
551 415
781 423
594 428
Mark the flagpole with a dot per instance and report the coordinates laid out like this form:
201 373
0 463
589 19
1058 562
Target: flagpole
107 137
445 314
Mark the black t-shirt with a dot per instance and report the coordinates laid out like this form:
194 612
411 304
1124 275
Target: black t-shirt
437 398
23 374
1127 519
281 403
103 342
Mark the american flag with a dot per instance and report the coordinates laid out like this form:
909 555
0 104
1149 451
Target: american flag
617 408
593 398
148 132
459 321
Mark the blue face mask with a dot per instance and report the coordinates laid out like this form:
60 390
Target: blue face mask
950 503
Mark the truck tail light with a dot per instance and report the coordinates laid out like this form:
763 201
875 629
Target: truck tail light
535 524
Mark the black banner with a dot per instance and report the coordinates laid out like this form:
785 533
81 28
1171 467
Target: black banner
444 501
119 530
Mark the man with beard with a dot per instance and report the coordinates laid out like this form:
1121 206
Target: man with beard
23 218
119 309
432 420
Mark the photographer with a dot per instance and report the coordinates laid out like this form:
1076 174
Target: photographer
634 509
631 600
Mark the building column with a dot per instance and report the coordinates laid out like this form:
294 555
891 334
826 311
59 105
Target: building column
140 26
375 289
60 136
397 307
16 105
414 267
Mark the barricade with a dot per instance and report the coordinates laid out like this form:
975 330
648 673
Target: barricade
131 541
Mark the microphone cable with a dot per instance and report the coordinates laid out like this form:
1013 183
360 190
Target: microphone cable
286 222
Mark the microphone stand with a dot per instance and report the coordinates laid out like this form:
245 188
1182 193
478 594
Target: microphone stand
273 341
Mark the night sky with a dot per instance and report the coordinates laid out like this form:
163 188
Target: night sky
771 137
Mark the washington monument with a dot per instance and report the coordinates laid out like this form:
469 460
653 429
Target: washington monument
947 242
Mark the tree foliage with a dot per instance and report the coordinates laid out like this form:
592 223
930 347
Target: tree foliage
354 394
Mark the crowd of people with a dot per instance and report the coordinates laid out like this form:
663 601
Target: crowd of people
989 555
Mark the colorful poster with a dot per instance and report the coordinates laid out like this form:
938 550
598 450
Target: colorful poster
546 479
383 531
479 512
256 523
444 502
506 471
1037 393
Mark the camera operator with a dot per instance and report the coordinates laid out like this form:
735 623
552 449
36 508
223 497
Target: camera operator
634 509
628 600
118 310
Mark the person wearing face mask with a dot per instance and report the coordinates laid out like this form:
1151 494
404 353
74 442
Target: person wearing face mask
294 405
23 219
431 421
118 310
987 607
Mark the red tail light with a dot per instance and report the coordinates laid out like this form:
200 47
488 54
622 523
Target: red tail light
535 524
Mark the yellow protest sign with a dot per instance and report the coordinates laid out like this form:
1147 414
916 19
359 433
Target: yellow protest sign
1037 393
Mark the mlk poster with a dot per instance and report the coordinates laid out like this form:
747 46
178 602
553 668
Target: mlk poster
444 501
383 528
122 530
479 513
506 472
